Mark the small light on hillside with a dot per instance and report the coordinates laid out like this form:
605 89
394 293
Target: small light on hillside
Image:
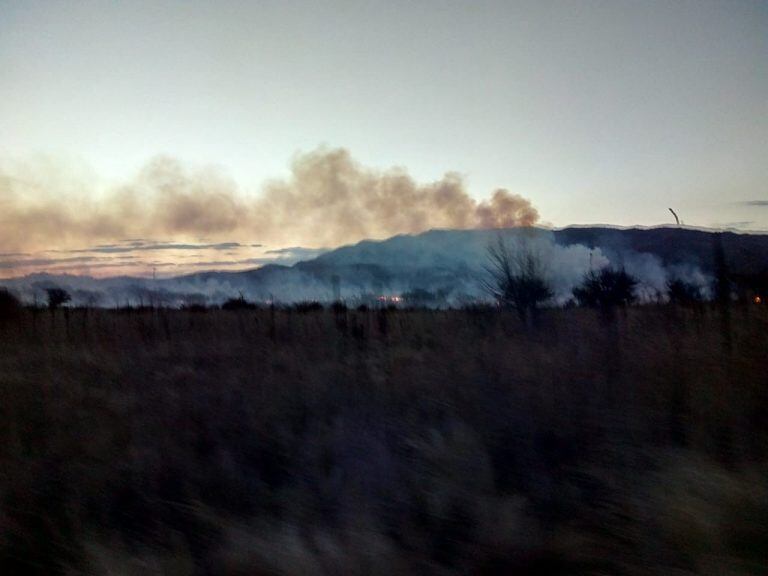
758 300
390 299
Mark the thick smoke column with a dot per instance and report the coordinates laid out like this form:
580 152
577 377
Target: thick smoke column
506 210
328 200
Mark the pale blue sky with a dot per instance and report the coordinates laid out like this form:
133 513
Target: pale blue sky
596 111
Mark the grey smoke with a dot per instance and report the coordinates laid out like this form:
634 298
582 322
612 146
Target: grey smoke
449 262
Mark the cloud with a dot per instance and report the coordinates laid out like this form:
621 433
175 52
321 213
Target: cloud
329 199
141 247
67 267
298 252
754 203
219 263
37 262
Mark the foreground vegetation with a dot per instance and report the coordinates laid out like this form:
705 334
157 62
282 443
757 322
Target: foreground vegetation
310 441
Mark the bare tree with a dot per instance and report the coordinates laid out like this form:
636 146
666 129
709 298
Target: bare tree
516 277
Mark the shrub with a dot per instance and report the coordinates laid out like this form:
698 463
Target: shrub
239 303
57 297
307 307
10 307
194 307
682 292
607 288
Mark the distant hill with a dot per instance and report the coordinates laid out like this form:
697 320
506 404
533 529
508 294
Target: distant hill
745 253
446 261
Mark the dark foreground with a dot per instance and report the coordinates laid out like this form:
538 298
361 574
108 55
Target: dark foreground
378 443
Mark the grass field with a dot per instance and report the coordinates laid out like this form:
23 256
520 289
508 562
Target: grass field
384 442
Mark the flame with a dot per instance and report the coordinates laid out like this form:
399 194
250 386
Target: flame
758 300
391 299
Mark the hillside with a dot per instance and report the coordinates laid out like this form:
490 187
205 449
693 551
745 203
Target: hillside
445 261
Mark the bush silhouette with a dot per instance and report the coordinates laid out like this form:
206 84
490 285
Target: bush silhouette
307 307
57 297
682 292
10 307
606 288
239 303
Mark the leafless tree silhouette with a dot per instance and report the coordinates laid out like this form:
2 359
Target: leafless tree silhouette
516 277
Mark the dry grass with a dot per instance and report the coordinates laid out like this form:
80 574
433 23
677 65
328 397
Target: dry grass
384 442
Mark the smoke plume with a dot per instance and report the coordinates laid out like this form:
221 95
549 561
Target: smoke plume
329 199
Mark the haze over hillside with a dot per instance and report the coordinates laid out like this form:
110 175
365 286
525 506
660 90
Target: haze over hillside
446 263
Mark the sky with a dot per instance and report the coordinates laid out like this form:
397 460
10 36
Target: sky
270 125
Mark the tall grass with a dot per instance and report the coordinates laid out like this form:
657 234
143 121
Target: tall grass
383 442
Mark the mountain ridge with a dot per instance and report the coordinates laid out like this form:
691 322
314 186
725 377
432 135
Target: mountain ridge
446 260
